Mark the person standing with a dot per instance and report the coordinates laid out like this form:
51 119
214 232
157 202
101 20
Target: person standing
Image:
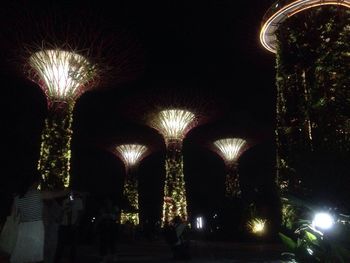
107 228
181 246
68 233
28 205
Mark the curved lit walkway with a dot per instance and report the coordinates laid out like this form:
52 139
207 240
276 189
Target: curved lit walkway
283 9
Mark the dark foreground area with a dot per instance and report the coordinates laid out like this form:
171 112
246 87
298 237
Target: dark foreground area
201 251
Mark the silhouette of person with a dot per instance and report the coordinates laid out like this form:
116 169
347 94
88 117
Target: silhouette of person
107 228
180 247
68 233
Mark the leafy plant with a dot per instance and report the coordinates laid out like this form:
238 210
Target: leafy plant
308 244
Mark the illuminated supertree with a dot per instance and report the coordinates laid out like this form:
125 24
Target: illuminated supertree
63 76
311 39
173 124
131 154
66 57
230 149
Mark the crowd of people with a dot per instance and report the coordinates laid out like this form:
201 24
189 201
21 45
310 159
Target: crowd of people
45 226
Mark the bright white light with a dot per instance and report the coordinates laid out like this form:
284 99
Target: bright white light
230 148
323 221
199 222
173 124
62 73
131 153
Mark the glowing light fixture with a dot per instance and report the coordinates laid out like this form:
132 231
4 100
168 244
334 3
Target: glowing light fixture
63 73
131 153
256 226
173 124
323 221
199 222
230 148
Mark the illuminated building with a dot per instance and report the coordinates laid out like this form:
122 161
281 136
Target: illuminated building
173 124
131 154
312 46
230 149
63 76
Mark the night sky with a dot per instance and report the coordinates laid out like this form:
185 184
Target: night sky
208 48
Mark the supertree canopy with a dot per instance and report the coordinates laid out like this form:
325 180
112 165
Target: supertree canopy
61 74
312 42
230 149
131 154
173 124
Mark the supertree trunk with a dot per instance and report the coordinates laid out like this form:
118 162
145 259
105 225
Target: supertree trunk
55 153
132 196
232 187
175 203
312 94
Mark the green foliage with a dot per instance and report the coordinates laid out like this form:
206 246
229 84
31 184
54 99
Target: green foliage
313 80
175 202
232 185
308 244
55 154
290 243
288 215
131 194
130 191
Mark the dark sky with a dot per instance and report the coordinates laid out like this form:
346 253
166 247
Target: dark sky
207 46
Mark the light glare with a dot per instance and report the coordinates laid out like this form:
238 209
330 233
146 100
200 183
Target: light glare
173 124
131 153
199 222
230 148
256 225
62 73
323 221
